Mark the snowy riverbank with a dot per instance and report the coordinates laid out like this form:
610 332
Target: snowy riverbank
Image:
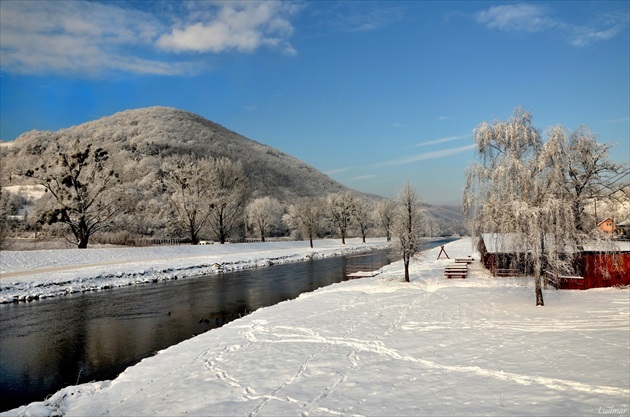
378 346
28 275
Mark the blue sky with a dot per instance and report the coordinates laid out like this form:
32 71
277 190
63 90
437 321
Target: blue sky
371 93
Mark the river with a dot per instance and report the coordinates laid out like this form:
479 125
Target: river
52 343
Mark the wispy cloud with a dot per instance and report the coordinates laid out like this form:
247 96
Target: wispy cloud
586 35
92 39
339 170
516 17
362 16
625 119
532 18
39 37
443 153
397 125
443 140
362 177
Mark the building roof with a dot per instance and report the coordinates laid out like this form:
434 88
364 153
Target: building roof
504 243
605 220
514 243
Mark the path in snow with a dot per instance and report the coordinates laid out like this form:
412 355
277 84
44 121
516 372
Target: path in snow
378 346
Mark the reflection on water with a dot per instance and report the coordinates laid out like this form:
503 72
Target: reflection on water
52 343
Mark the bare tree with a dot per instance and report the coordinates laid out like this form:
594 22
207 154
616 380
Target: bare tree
228 197
520 187
385 211
306 214
264 213
82 183
341 211
409 225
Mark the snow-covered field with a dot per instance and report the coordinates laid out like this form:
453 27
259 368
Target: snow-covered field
28 275
378 346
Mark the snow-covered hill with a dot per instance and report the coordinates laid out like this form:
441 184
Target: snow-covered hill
140 138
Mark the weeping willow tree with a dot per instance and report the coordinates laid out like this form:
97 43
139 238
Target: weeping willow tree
518 189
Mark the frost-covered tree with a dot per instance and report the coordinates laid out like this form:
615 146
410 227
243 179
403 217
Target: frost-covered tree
363 214
82 183
188 180
409 225
519 187
433 227
588 173
264 213
306 214
341 212
384 213
228 197
4 224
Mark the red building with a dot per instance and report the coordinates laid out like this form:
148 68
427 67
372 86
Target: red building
599 265
600 269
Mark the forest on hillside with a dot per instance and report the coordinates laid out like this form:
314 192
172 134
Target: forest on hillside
150 175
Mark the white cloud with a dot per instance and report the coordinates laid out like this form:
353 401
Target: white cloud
77 37
525 17
93 39
239 26
516 17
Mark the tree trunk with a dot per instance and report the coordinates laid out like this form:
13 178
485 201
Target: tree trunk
539 294
310 238
343 237
406 260
82 235
222 234
194 239
538 273
83 242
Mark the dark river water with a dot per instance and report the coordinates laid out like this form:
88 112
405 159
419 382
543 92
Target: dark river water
49 344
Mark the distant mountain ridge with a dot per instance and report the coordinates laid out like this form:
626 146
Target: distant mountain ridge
140 138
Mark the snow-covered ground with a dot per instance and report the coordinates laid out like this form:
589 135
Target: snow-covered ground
28 275
378 346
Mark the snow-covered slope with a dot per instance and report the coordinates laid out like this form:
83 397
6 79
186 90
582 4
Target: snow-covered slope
381 347
140 138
